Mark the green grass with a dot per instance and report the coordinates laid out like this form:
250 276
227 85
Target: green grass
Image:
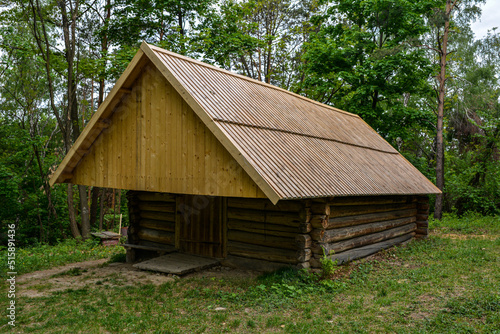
471 223
439 285
42 257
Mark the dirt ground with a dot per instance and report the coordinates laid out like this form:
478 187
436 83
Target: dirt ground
99 272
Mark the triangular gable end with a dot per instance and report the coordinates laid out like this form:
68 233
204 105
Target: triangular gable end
154 141
289 146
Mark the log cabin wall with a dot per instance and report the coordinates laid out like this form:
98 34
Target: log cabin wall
422 216
266 236
346 228
152 219
260 235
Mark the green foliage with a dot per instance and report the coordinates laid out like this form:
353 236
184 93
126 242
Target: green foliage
470 223
328 267
118 258
21 187
465 191
274 289
364 63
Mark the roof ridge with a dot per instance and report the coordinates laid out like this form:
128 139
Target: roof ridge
303 134
240 76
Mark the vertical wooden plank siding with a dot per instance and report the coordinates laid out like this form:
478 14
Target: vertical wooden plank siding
200 225
155 142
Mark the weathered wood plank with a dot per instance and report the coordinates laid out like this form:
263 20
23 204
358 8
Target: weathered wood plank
262 252
264 204
263 228
304 255
158 215
320 249
252 264
161 225
358 230
364 218
361 252
163 248
370 200
177 263
303 241
161 237
355 210
281 218
155 244
158 206
155 197
303 265
305 227
261 239
320 209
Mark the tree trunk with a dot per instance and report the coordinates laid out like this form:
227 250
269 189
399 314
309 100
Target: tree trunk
101 211
438 208
71 211
94 205
69 34
84 213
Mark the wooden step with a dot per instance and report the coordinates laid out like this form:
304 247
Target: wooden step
177 263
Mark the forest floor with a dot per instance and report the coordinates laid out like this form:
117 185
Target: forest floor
447 283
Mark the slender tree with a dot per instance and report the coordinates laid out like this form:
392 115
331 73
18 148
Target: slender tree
442 23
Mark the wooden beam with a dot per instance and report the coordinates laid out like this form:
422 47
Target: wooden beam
320 249
264 228
261 239
102 124
262 252
358 230
303 241
125 90
370 200
355 210
273 217
361 252
65 176
252 264
363 219
264 204
164 216
157 225
158 236
156 197
158 206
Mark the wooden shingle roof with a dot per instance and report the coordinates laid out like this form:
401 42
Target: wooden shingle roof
291 146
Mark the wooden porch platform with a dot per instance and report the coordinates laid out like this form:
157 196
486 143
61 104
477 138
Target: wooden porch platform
177 263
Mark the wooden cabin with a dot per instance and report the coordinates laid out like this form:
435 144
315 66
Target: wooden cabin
223 166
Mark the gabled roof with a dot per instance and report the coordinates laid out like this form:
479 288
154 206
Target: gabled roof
291 146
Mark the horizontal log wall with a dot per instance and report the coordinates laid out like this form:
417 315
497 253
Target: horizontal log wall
347 228
153 222
259 230
422 216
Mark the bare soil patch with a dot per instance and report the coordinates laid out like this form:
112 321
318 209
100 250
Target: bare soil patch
98 272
